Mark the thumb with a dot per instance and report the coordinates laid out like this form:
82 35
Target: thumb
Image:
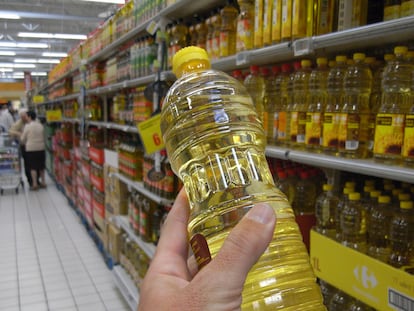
245 244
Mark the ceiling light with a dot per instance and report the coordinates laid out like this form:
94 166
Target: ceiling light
11 65
54 54
8 44
4 15
51 35
7 53
39 60
25 60
107 1
38 73
6 69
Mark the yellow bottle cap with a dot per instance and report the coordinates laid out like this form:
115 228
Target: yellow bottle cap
321 61
327 187
368 188
388 57
354 196
369 60
347 190
400 50
404 197
187 54
384 199
406 204
350 184
305 63
341 58
359 56
375 194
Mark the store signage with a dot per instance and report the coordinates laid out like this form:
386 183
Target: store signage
54 115
150 131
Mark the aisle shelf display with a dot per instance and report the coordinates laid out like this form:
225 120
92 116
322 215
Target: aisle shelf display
126 286
369 36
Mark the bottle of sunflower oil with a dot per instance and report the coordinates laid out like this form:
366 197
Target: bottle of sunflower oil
215 39
267 22
276 21
285 98
286 20
391 9
255 86
342 202
299 18
258 23
325 207
245 25
317 101
395 100
355 113
408 146
228 29
216 146
407 8
271 103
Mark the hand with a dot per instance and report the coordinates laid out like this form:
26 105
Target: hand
172 281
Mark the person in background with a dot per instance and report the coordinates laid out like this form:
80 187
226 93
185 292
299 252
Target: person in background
16 131
172 281
34 141
6 118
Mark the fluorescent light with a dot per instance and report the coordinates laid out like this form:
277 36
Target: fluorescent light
4 15
51 35
39 60
107 1
8 44
6 70
54 54
7 53
11 65
39 73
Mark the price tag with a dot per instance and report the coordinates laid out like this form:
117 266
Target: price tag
38 99
303 46
242 58
54 115
150 131
152 27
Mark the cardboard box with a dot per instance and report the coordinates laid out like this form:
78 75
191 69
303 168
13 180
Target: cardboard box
114 241
375 283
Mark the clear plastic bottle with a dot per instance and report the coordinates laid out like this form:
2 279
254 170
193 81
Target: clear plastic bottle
298 109
285 186
354 224
245 25
255 85
333 106
228 29
342 202
285 90
407 8
220 135
358 305
317 101
328 291
379 229
396 96
402 235
271 103
339 301
216 22
354 140
325 208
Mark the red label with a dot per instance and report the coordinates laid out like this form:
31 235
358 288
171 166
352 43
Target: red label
200 249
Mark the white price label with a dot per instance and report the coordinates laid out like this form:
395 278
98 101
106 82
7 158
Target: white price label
242 58
303 47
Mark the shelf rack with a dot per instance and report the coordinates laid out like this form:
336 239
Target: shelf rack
126 286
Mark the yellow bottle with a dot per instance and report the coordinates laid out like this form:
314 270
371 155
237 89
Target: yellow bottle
255 85
396 96
408 146
258 23
214 147
299 18
267 22
285 96
355 113
352 13
245 25
391 9
216 21
276 21
407 8
286 21
228 30
325 16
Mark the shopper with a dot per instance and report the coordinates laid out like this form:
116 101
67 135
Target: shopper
6 118
172 282
33 139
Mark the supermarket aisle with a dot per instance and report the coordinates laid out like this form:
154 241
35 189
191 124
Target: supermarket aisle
47 259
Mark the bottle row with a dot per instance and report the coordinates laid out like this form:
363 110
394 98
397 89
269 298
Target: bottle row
357 108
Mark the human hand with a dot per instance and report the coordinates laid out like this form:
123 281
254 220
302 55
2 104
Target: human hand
172 281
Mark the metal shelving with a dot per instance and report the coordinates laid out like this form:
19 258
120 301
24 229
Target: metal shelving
126 286
115 126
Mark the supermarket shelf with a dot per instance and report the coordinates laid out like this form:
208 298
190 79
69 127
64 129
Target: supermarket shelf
362 166
114 126
139 186
126 287
71 120
121 85
61 99
148 248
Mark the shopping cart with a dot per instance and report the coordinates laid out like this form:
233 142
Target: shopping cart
10 172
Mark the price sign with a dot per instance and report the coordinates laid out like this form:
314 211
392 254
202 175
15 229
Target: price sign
150 131
38 99
303 47
54 115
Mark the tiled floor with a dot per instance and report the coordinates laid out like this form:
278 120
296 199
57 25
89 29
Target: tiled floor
47 259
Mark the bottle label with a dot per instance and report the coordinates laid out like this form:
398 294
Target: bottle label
330 130
348 134
200 249
293 126
300 138
408 148
244 35
275 125
267 22
407 8
258 24
313 128
281 127
286 25
391 12
224 44
325 17
276 20
266 123
389 133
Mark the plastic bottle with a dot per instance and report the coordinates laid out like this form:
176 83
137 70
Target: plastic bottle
216 21
267 22
342 202
330 125
228 29
255 85
217 148
352 13
407 8
376 92
326 18
339 301
355 113
245 25
325 208
285 97
408 146
271 103
286 21
328 291
298 109
300 18
276 21
379 226
317 101
402 235
396 96
179 36
358 305
285 186
391 9
258 23
201 30
354 224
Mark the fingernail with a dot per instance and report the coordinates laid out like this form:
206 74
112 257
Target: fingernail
261 213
